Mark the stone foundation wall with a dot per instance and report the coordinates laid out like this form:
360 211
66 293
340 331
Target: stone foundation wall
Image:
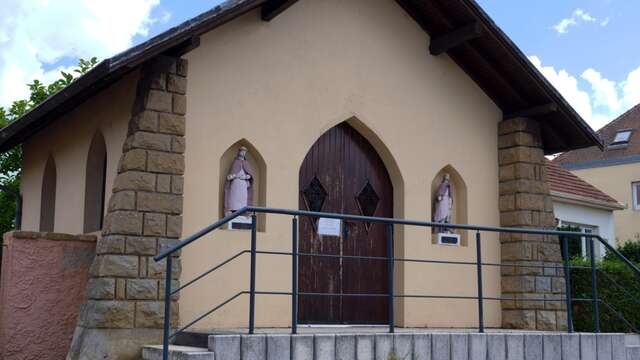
525 202
125 295
44 276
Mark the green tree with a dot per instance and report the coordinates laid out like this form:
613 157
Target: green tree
10 160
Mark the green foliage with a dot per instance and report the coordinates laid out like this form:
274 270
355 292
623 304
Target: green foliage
394 356
10 161
618 287
630 249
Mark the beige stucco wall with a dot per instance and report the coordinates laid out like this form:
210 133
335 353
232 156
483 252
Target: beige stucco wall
280 85
68 140
616 181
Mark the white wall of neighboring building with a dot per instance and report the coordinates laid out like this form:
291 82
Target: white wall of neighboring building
575 214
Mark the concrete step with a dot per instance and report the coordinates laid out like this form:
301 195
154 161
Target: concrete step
424 346
177 352
632 339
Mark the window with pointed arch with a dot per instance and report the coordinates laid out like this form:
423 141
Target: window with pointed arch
257 186
48 196
95 184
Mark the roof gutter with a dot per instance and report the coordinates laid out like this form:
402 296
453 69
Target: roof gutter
585 201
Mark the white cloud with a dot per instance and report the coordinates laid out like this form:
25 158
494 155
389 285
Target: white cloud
577 17
38 33
606 99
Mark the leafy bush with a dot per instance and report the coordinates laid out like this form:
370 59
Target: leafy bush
618 287
630 249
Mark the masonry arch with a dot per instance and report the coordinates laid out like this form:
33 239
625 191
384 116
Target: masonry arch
48 196
95 184
459 213
258 165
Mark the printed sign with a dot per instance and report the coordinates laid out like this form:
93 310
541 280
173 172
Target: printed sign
329 227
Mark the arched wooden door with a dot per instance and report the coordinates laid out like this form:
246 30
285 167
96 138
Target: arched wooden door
342 173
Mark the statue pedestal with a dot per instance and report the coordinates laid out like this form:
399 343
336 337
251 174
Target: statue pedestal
240 223
451 239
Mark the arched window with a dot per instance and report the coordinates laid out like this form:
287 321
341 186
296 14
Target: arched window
48 196
259 167
459 195
95 182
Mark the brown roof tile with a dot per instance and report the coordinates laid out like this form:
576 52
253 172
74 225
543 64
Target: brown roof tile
628 120
563 181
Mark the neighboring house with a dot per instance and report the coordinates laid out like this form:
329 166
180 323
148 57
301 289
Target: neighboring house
582 207
615 170
357 107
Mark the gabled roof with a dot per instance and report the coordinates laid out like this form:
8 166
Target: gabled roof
612 155
458 27
568 187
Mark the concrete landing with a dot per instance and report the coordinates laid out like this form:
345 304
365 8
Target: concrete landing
176 352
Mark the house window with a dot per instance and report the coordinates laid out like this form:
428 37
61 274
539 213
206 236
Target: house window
579 245
622 138
635 187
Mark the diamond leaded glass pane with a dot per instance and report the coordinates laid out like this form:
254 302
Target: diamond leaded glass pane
368 200
315 195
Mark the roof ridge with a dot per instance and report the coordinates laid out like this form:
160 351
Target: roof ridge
619 118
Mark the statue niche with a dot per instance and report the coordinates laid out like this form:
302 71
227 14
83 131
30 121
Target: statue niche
238 189
448 206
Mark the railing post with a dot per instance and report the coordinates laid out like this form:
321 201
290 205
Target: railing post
479 272
252 281
390 262
567 282
167 309
594 286
294 275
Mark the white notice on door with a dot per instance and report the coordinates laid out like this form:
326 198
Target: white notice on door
329 227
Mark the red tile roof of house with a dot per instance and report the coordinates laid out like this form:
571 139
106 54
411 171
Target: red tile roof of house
563 181
593 157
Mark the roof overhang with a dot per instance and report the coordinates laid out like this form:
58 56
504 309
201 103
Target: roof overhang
459 28
573 199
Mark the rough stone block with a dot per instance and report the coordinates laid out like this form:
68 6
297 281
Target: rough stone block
163 184
179 104
302 347
278 347
519 319
543 284
158 100
324 347
123 223
459 346
253 347
516 218
149 141
123 200
138 245
384 346
178 144
552 347
111 244
477 347
530 202
174 226
182 67
403 346
101 289
161 203
515 346
171 124
150 314
156 269
558 285
549 252
516 251
175 284
225 347
533 347
507 202
145 121
177 84
519 124
166 163
121 289
107 314
518 284
135 180
365 347
496 347
142 289
177 184
156 80
603 346
155 224
441 346
346 347
546 320
134 159
115 265
422 346
571 347
165 243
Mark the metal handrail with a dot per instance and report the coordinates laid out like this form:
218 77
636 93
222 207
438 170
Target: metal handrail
390 222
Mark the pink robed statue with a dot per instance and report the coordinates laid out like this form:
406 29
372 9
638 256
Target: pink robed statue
238 189
443 203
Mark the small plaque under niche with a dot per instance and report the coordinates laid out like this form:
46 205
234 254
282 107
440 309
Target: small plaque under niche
450 239
240 223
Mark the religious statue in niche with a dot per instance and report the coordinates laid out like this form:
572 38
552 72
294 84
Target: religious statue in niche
238 189
443 204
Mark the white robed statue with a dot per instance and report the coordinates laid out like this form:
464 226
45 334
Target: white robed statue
443 204
238 188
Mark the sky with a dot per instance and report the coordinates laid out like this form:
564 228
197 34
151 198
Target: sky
586 48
